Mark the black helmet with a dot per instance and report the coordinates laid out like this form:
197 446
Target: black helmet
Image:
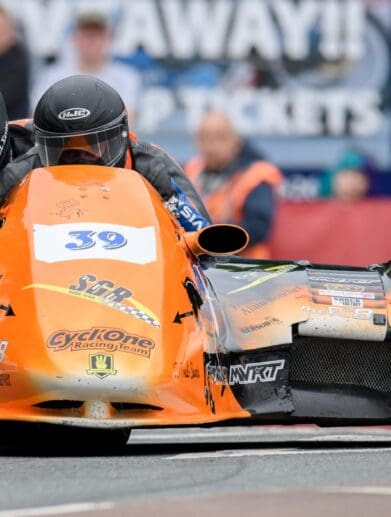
81 119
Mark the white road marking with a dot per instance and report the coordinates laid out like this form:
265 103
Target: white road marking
359 437
270 452
359 490
57 510
95 507
206 434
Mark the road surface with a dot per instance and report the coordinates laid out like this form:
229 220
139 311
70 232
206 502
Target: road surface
271 471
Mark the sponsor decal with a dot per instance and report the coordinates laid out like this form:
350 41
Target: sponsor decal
250 373
86 241
69 208
250 307
100 338
190 372
340 312
271 272
188 213
74 114
361 279
248 275
5 379
101 365
106 289
260 326
339 301
219 374
104 292
335 287
345 280
347 294
186 370
253 373
345 287
4 137
3 349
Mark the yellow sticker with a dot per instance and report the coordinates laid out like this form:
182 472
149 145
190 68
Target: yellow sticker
278 270
101 365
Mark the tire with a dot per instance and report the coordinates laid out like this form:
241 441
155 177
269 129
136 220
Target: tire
85 438
60 438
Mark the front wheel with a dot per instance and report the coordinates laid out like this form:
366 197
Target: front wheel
71 439
88 439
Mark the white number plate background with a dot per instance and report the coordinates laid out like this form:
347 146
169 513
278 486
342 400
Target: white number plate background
51 243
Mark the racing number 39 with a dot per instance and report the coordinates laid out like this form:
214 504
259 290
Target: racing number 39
84 240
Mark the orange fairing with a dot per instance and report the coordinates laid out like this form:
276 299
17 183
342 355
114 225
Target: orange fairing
98 323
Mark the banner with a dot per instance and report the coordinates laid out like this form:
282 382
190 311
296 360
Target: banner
331 232
304 78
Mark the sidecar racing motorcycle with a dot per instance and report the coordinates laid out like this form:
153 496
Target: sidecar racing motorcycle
112 317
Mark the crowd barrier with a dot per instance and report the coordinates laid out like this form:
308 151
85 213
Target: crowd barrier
332 232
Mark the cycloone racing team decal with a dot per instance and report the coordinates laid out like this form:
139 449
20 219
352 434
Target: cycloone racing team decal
100 338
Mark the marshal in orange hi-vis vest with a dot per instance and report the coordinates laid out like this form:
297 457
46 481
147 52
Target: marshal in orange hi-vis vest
226 203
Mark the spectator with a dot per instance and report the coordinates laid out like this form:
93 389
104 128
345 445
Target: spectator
235 183
92 37
14 69
350 179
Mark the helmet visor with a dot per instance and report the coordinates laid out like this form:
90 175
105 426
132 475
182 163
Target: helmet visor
104 147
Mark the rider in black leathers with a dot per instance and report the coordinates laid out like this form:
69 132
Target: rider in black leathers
102 118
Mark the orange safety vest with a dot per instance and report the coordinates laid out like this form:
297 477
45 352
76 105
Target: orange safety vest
226 203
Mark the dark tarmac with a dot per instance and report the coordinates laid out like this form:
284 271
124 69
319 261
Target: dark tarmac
271 471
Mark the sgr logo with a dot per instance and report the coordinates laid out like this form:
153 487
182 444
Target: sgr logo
90 285
74 114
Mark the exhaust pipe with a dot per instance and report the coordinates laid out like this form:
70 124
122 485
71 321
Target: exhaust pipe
217 240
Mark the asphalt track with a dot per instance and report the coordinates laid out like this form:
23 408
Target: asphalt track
240 471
